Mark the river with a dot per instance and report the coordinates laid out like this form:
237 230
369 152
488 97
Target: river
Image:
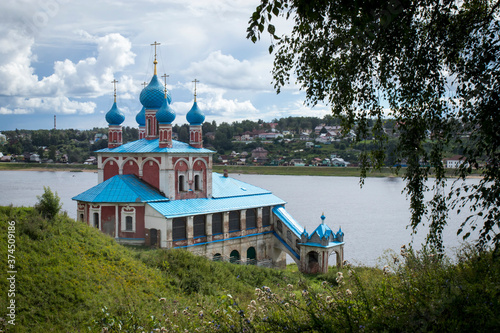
373 218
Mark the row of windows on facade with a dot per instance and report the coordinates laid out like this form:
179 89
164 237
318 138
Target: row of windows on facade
183 185
199 223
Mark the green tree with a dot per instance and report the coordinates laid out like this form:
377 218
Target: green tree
49 203
431 62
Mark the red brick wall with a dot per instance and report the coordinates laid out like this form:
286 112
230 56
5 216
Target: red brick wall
110 169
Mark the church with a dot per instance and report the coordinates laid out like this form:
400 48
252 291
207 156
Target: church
160 192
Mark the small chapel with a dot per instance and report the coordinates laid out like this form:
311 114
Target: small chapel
160 192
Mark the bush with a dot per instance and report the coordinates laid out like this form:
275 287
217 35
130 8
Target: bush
49 204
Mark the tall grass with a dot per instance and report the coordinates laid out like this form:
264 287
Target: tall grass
72 278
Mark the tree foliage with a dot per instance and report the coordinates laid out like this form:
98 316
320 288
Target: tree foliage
433 64
49 203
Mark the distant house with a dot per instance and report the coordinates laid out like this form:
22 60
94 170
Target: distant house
453 162
305 136
259 152
338 162
270 136
210 135
35 158
309 144
297 162
6 158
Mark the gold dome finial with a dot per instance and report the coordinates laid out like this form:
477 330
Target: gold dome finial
155 62
114 86
195 81
164 76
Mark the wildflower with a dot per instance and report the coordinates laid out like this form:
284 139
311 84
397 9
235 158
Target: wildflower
324 284
385 270
104 330
185 312
329 299
305 293
175 313
403 251
290 286
286 305
339 278
350 272
253 303
229 295
216 312
163 330
348 292
163 299
200 314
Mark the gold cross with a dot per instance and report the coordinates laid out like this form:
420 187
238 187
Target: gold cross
114 86
155 44
195 81
164 76
144 84
155 62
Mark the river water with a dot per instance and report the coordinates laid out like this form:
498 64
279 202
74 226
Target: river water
373 218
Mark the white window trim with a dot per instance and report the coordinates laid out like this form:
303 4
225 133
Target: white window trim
185 183
200 175
93 210
128 211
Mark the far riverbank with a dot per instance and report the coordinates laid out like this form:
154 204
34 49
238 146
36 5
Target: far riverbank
234 169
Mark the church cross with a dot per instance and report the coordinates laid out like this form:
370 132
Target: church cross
195 81
114 86
164 76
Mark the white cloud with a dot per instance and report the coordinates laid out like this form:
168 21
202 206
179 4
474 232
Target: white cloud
225 71
90 77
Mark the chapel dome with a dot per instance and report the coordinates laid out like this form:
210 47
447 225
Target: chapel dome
152 95
115 116
165 115
195 116
140 118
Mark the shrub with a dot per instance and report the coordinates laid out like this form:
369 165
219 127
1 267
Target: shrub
49 204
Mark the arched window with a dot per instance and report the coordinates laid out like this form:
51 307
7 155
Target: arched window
128 219
266 216
251 219
129 223
234 257
280 226
179 228
217 224
217 257
149 127
81 217
96 220
199 226
182 187
251 256
234 220
197 183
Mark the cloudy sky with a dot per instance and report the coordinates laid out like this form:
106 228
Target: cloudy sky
58 57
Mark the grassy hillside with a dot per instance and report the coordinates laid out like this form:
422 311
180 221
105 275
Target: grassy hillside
72 278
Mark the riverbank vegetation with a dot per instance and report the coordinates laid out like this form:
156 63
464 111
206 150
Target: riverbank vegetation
71 277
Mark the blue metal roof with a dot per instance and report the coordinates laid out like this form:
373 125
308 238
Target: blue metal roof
187 207
225 187
152 146
121 188
323 231
290 222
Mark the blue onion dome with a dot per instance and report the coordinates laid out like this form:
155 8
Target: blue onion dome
152 95
141 117
115 116
165 115
195 116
